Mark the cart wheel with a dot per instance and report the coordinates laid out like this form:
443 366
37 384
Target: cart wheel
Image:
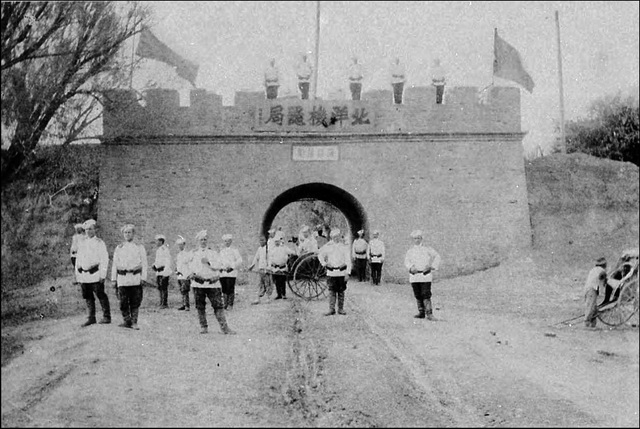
309 277
625 307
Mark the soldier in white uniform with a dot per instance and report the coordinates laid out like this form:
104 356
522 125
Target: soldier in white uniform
231 261
162 267
421 260
128 271
304 77
272 80
376 255
183 259
355 79
261 263
336 258
205 282
91 264
278 258
397 80
359 255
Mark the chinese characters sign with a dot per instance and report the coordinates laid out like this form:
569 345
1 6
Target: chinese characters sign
315 153
318 115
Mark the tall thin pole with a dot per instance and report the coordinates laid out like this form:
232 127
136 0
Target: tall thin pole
133 44
563 142
315 70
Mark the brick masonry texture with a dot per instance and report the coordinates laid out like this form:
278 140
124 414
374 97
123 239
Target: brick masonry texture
456 171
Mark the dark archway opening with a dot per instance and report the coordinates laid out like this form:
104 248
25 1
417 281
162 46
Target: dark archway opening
346 203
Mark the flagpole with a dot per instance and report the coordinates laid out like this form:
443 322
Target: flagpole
563 142
493 65
315 71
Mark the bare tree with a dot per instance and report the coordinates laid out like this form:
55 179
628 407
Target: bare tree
56 58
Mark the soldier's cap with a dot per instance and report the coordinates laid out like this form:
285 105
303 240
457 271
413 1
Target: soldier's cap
160 237
334 233
601 262
88 223
376 232
271 231
227 237
361 232
127 227
279 236
416 233
305 228
180 240
79 226
201 234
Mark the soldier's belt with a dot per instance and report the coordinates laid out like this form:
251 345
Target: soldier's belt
158 268
279 266
202 280
340 268
227 270
425 272
91 270
376 256
125 272
361 253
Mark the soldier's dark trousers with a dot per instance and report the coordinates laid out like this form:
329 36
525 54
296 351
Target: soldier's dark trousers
337 286
422 293
88 291
376 272
185 287
304 90
272 92
215 297
281 285
130 300
361 268
397 92
228 291
439 93
163 288
356 90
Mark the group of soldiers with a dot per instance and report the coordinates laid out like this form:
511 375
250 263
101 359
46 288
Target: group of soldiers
212 274
355 79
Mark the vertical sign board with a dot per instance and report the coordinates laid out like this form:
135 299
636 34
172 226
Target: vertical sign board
289 115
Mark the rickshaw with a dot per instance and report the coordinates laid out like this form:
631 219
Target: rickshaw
622 304
306 277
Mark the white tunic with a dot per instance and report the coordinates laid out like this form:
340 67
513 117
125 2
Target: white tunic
424 258
92 254
163 260
129 256
336 258
230 259
182 264
376 251
205 264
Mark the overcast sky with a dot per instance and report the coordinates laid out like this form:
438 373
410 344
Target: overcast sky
233 41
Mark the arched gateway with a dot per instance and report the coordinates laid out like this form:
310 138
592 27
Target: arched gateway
454 170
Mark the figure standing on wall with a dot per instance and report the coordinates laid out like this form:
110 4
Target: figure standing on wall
438 79
304 77
397 80
272 80
355 79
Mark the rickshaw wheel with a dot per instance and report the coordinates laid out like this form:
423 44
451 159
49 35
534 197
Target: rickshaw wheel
625 307
309 277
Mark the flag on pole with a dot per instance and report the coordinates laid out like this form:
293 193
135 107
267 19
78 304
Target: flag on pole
508 65
150 47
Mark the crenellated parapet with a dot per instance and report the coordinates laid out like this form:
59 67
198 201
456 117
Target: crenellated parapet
464 110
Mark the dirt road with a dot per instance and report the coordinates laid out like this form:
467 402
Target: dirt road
493 358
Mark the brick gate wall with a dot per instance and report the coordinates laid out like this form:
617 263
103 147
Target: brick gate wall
465 189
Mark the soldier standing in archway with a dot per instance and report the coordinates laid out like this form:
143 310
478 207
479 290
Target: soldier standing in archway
359 254
337 260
